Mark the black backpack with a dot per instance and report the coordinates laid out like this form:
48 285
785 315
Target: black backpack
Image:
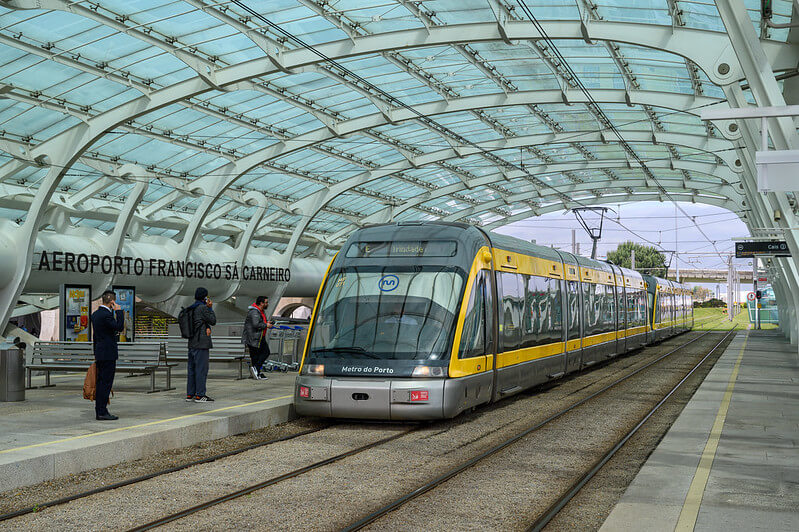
186 322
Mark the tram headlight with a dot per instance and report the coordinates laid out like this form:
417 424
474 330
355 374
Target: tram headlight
428 371
314 369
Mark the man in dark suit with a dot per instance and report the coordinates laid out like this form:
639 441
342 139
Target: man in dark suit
107 322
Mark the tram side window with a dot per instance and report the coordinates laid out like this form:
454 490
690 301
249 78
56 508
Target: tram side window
573 294
665 307
621 308
511 292
473 337
642 306
631 307
636 304
593 295
609 309
543 315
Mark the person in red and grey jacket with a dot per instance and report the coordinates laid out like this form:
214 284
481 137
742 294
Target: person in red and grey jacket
255 337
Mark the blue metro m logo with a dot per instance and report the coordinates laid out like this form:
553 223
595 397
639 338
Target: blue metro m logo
388 283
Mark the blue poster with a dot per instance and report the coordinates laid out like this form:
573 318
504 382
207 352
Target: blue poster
126 299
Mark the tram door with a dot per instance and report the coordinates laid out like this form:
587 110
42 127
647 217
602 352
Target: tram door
620 292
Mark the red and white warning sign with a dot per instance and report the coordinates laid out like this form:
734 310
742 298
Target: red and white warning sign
750 296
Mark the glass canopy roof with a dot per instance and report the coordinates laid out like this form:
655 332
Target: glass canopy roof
413 109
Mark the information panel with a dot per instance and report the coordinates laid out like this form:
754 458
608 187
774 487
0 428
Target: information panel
775 248
76 303
126 299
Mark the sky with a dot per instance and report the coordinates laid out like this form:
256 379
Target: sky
648 223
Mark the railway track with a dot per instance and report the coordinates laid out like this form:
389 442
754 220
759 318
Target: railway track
63 500
578 485
441 479
255 487
300 471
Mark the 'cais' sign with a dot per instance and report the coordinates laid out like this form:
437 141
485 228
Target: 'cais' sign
65 261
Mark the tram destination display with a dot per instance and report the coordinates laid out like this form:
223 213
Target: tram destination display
403 248
744 250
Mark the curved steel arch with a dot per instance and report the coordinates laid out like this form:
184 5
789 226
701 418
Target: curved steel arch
720 192
723 188
214 185
706 49
723 149
620 198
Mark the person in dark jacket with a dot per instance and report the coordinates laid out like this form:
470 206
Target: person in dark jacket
254 335
107 322
203 318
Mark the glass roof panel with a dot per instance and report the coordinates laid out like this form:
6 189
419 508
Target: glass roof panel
60 68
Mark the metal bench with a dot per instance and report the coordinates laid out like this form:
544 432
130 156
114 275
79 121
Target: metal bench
137 357
226 349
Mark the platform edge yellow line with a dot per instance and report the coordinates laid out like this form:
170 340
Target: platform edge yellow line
693 500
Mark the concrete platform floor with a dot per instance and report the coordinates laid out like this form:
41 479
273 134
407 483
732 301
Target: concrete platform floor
53 432
731 460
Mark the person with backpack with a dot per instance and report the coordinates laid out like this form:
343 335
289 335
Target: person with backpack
254 335
198 319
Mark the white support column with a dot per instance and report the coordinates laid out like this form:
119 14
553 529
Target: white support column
758 71
243 244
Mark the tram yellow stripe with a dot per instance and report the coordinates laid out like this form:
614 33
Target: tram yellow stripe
518 356
597 339
313 313
573 345
690 508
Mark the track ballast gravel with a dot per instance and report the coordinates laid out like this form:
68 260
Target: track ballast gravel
338 494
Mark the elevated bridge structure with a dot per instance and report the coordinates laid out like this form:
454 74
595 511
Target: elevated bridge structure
708 276
247 139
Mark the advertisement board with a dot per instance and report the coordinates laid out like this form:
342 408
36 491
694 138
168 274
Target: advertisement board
75 310
126 299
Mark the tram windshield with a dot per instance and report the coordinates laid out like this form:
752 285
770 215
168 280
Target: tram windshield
388 313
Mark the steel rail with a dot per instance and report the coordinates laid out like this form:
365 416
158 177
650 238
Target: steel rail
575 488
390 507
135 480
245 491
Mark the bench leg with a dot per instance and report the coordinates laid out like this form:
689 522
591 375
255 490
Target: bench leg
169 378
241 369
152 383
29 377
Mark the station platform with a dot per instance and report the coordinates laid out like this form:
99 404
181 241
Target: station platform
731 460
53 432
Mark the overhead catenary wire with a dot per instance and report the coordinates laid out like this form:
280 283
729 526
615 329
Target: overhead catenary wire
603 118
443 130
431 122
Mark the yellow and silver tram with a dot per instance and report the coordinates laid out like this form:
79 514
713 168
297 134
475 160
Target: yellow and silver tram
426 320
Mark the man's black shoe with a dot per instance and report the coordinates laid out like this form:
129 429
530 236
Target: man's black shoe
107 417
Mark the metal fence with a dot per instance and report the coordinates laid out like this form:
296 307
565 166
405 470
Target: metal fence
287 340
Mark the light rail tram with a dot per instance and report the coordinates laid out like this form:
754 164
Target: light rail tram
426 320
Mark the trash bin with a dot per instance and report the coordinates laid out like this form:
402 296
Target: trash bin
12 373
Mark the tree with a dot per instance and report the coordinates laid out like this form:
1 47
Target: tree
648 260
701 293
